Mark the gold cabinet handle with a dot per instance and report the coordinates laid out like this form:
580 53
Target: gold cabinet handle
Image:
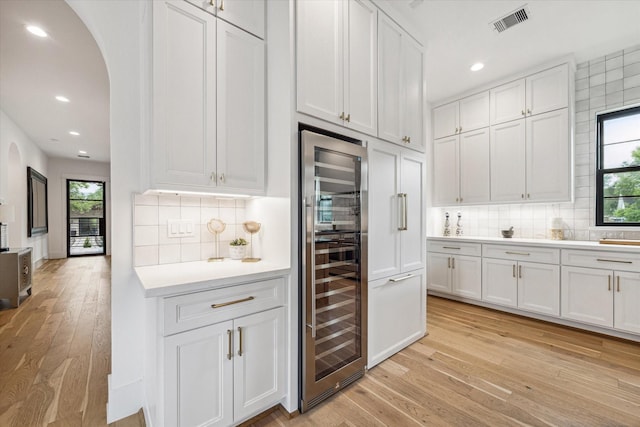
614 260
230 335
513 270
238 301
517 253
341 116
221 4
400 279
212 3
522 196
348 118
213 178
453 262
240 341
523 113
609 282
519 272
409 140
451 247
528 196
222 178
618 283
449 262
528 109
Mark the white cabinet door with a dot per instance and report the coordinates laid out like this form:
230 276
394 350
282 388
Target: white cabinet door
413 111
199 377
539 288
412 240
241 109
548 156
466 276
446 187
586 295
320 54
474 112
390 103
439 272
548 90
184 101
627 302
361 67
246 14
387 301
384 186
259 362
507 102
499 282
508 161
446 120
475 167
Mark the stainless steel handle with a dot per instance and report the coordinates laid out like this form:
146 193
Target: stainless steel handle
238 301
400 279
513 270
618 283
221 4
230 335
614 260
402 199
240 341
519 272
450 247
453 262
609 282
517 253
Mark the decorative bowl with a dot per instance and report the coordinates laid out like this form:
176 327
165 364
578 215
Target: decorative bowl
507 233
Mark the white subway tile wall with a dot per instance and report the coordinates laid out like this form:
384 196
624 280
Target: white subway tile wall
152 245
604 83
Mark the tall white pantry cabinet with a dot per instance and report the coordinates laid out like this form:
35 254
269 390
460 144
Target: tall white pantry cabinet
397 281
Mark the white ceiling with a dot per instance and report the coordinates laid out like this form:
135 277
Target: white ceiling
458 34
34 70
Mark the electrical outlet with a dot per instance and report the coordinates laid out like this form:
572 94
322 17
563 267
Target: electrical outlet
180 228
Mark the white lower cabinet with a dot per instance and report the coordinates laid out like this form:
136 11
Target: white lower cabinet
222 359
499 282
402 297
453 271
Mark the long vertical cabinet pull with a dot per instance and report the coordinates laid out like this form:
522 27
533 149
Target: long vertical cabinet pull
513 271
618 283
519 272
221 4
448 262
609 282
402 200
230 352
305 206
453 263
239 341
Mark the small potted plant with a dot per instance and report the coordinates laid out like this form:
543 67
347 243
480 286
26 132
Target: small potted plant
237 248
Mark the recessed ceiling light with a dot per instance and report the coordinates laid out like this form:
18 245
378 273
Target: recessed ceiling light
37 31
74 133
62 98
477 66
82 152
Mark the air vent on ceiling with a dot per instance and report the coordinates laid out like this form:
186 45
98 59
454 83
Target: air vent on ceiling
517 16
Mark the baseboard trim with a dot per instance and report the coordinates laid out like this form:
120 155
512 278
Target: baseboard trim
124 401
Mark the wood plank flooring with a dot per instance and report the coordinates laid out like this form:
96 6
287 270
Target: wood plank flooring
55 349
477 367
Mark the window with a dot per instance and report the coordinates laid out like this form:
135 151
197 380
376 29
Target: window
618 168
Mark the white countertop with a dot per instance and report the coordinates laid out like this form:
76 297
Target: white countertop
172 279
560 244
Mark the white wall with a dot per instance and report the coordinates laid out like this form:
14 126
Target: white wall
59 171
17 151
121 29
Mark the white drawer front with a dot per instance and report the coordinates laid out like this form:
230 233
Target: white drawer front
522 253
594 259
455 248
198 309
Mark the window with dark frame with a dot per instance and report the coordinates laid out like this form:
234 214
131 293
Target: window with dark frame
618 168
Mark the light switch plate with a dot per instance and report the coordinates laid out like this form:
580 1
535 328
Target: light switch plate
180 228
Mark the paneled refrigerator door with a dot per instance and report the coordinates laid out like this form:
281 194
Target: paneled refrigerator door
334 269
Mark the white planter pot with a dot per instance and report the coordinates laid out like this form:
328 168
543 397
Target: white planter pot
237 252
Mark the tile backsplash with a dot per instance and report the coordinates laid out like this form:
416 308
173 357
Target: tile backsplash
152 245
604 83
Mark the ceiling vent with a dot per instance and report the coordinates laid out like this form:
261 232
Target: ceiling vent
517 16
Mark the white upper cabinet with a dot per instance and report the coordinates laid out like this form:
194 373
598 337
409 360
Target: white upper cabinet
538 93
337 62
246 14
508 161
401 86
208 103
446 175
466 115
241 109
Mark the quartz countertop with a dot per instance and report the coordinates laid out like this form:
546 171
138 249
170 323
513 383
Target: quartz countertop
171 279
560 244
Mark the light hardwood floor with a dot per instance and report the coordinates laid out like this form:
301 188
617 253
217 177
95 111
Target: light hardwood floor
477 367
